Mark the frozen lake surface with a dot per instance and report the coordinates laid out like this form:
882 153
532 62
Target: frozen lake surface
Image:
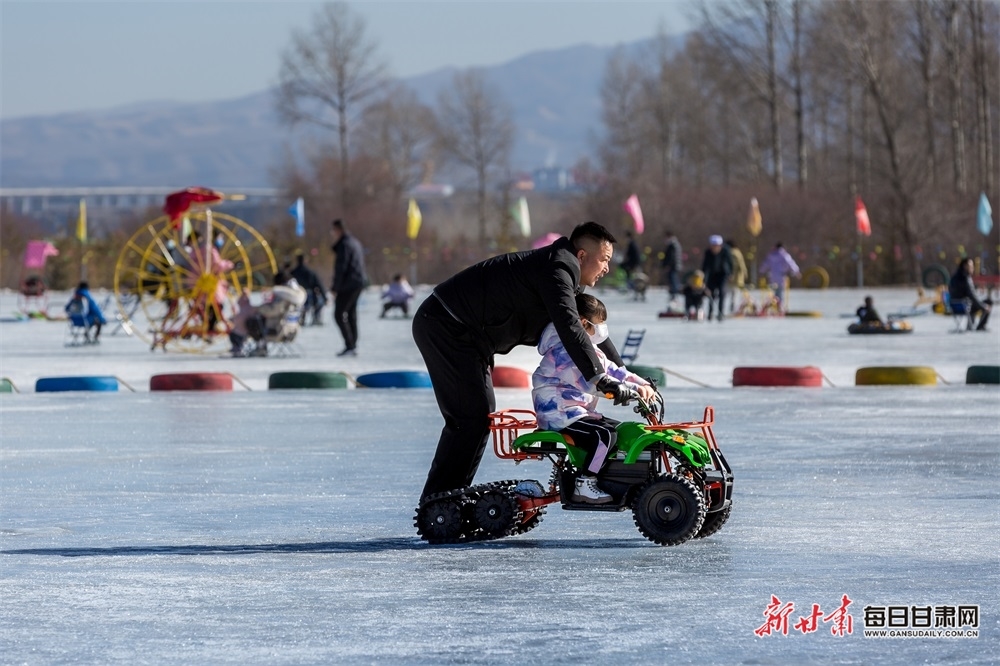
277 526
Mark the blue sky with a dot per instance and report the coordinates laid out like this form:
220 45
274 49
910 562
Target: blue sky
76 55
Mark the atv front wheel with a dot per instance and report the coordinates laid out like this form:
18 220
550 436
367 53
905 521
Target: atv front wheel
669 510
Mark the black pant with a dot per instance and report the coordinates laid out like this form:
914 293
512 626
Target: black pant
984 315
459 369
345 314
596 436
717 290
404 306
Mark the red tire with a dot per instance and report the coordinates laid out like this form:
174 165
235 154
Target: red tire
192 381
778 376
508 377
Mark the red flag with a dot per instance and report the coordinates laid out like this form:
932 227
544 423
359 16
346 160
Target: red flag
861 215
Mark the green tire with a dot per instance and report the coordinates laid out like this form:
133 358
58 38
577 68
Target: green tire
650 372
983 374
308 380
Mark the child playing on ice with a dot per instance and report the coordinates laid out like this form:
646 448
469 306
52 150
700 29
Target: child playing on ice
564 400
397 295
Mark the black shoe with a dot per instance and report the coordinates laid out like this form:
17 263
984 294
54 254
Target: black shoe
348 352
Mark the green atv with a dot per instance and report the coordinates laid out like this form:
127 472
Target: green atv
672 476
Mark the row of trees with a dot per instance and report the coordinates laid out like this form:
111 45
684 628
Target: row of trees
893 101
804 104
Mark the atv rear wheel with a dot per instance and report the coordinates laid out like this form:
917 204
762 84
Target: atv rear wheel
439 521
669 510
714 522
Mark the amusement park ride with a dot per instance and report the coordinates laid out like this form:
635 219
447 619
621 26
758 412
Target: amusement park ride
187 269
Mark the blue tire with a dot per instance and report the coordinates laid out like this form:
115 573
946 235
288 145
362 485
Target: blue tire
56 384
396 379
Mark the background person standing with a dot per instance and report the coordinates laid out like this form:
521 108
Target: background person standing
717 265
349 280
671 264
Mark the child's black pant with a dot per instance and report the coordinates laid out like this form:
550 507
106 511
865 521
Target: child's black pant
596 436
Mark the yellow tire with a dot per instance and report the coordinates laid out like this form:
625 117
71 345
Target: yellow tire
815 278
896 375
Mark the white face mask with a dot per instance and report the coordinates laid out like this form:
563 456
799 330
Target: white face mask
600 333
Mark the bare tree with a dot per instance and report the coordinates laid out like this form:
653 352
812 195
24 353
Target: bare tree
984 55
475 129
326 75
398 132
953 51
745 32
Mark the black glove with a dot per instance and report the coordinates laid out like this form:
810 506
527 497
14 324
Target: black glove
612 388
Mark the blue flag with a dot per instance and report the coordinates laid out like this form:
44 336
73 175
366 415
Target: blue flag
984 220
298 211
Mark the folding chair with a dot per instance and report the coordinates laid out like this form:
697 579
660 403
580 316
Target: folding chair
78 332
630 349
272 335
961 312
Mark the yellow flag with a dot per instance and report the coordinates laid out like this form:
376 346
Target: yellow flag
413 220
754 225
81 222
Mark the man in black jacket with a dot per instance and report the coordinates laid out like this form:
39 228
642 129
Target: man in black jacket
962 288
489 309
349 281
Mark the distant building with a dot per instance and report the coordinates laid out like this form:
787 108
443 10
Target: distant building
55 207
553 179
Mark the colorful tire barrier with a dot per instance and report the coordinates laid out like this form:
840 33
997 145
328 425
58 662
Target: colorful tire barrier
778 376
308 380
508 377
935 276
815 277
649 372
395 379
983 374
56 384
804 313
896 375
192 381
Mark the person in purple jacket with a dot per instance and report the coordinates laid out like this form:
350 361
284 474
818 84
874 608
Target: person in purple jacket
777 266
566 401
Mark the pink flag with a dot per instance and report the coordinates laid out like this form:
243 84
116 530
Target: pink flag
861 214
36 253
632 208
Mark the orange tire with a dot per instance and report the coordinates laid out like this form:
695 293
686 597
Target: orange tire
778 376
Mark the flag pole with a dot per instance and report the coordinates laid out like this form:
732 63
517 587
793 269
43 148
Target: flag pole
861 259
413 261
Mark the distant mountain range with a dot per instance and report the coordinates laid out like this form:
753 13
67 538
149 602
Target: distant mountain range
239 142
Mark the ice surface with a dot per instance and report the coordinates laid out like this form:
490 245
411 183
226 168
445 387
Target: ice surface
276 526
